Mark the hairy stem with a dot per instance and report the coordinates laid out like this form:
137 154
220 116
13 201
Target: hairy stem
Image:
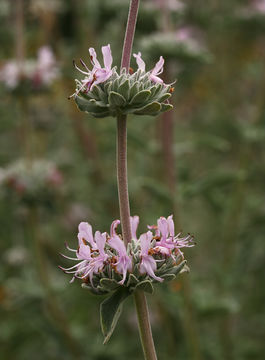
129 34
144 326
140 300
123 178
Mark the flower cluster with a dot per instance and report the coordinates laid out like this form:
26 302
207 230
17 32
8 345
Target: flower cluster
38 73
104 263
104 92
32 182
184 44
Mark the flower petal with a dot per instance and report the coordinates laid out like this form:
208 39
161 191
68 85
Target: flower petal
107 57
117 244
101 241
134 225
139 61
158 69
113 227
94 60
171 226
145 240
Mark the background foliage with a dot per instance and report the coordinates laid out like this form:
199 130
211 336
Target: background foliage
204 162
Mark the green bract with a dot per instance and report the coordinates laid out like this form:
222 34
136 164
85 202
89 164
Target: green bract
125 94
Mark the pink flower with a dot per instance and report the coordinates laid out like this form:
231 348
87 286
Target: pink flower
157 70
124 262
10 74
148 263
134 225
98 74
168 240
46 69
85 235
92 261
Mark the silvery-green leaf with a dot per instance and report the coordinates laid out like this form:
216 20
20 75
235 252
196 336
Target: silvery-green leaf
176 269
184 269
88 106
134 90
109 284
124 89
110 310
168 277
101 115
166 107
93 290
116 99
146 286
164 97
132 280
141 97
115 85
99 93
149 109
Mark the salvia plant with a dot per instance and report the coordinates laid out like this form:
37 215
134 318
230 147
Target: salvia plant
105 92
123 264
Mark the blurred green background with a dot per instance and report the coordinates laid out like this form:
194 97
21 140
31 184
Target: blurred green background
204 162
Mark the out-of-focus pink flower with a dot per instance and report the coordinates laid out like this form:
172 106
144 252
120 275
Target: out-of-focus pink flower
174 5
157 70
46 67
259 6
9 74
55 177
148 263
40 72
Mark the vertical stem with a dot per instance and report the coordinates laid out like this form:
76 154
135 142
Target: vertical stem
19 26
122 178
140 300
129 34
144 326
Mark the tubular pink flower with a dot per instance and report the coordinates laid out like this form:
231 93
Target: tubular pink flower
157 70
169 241
134 225
90 252
98 74
85 235
148 263
124 262
139 61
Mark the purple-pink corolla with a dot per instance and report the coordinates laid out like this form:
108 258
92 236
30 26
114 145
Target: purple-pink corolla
157 70
148 263
124 262
98 74
97 256
168 241
91 253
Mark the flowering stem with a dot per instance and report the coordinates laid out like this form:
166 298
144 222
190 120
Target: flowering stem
129 34
122 178
144 326
139 296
